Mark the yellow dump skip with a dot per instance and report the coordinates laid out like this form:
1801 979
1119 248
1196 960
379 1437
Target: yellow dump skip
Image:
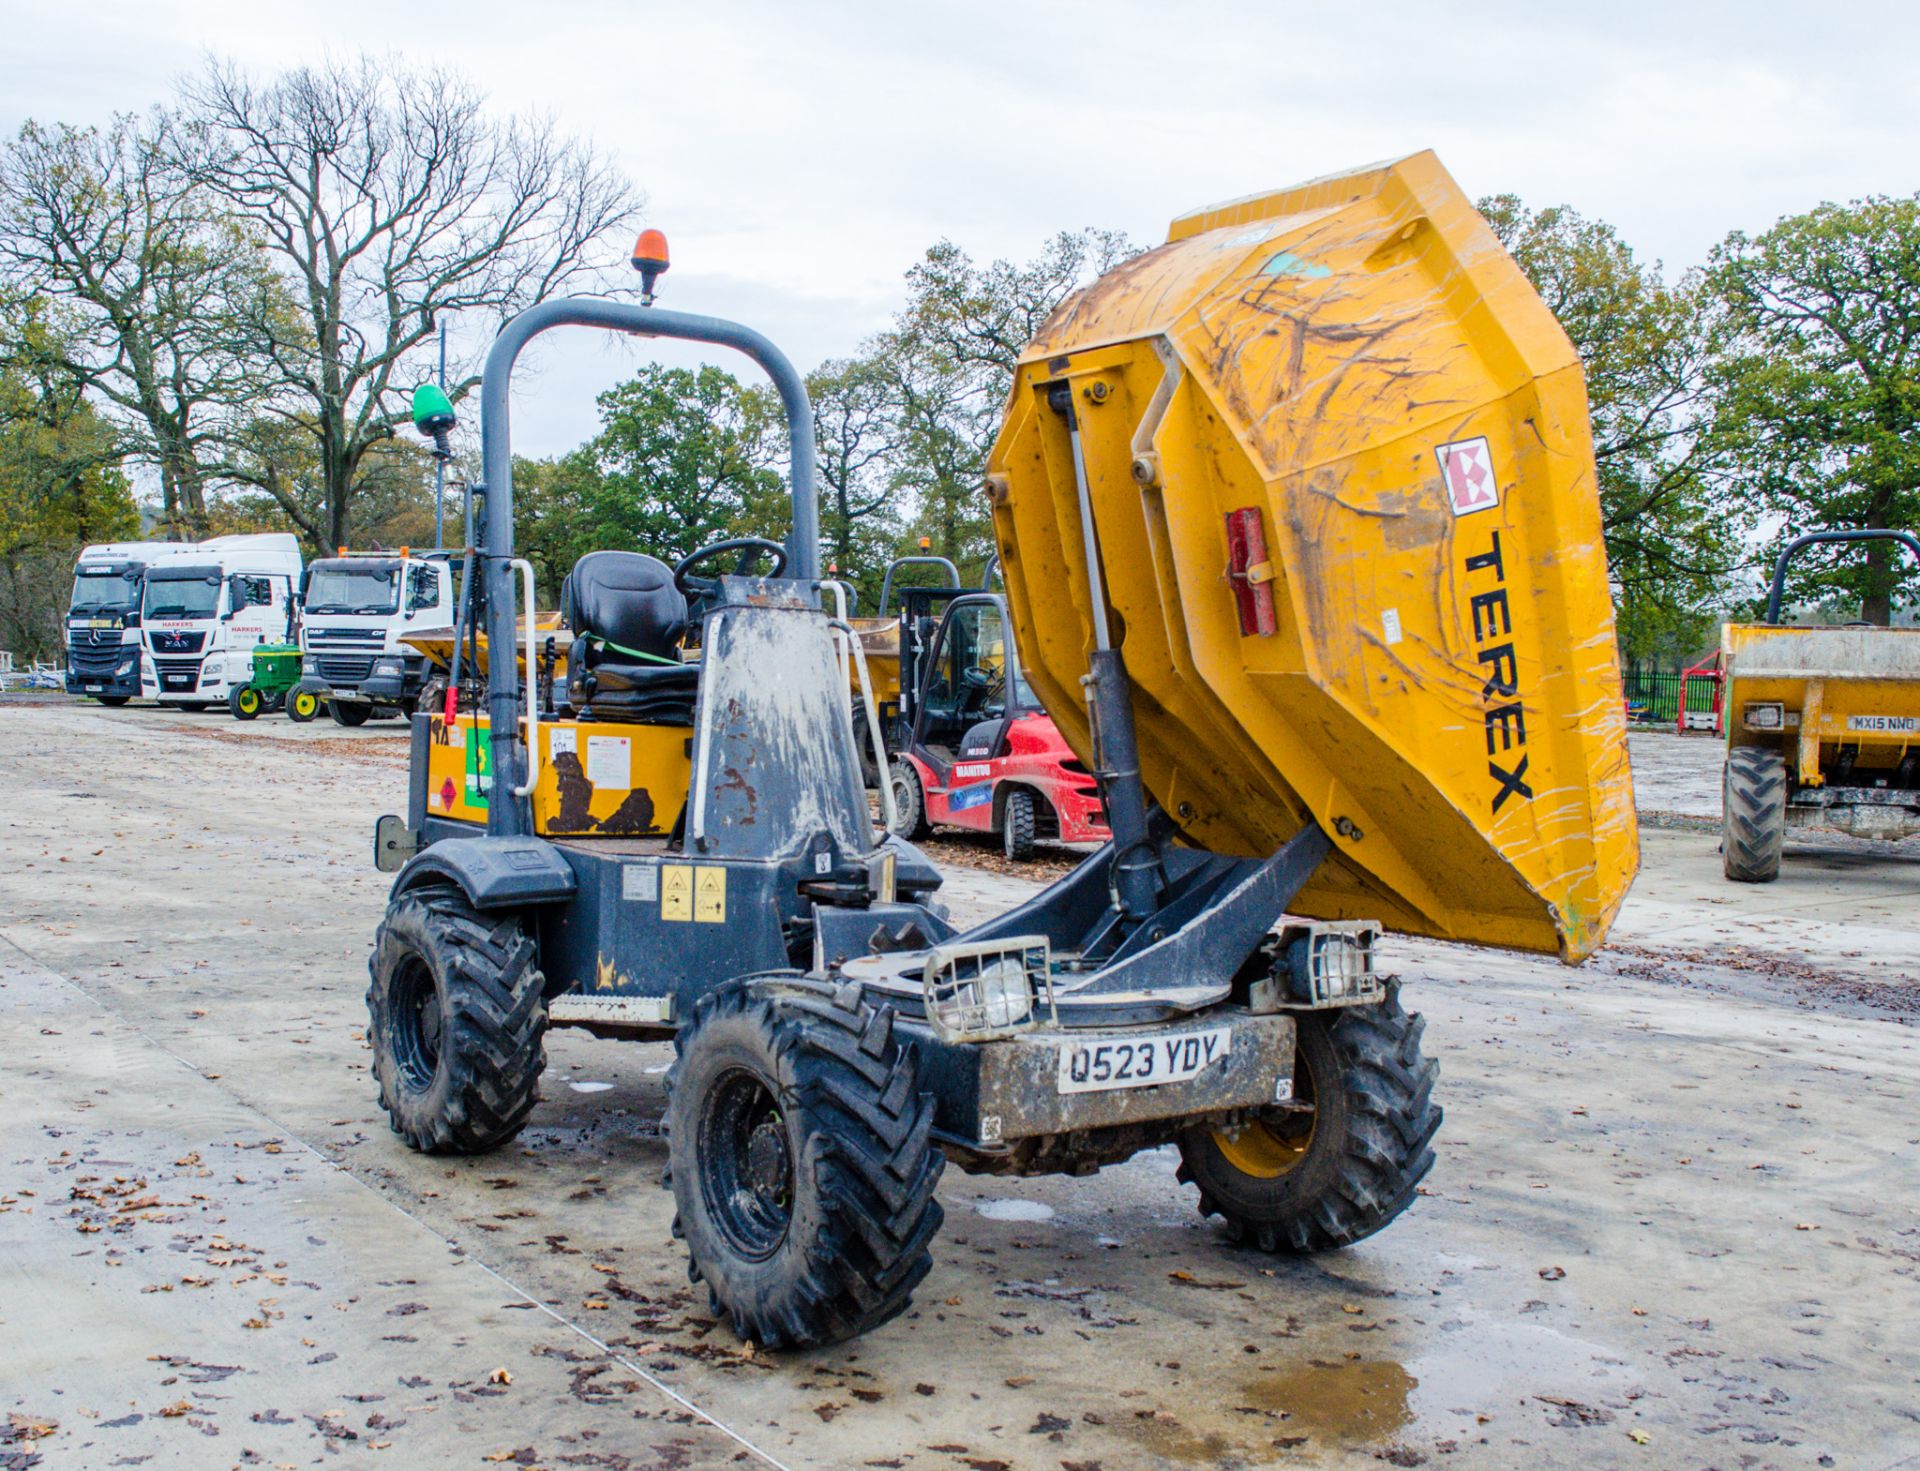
1421 657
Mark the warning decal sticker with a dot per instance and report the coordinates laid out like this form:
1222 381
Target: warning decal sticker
1467 468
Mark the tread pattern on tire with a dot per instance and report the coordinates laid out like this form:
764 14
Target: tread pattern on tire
1753 814
912 821
1018 825
1388 1145
868 1126
491 1050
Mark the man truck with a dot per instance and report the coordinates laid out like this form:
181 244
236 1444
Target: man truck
204 609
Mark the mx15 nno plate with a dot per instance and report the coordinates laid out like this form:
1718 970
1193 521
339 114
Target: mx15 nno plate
1044 1082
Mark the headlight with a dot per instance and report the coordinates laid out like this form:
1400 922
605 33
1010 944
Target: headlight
1764 716
211 669
978 991
126 667
387 666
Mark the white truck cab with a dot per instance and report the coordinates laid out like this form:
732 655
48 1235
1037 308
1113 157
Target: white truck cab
357 608
206 607
103 617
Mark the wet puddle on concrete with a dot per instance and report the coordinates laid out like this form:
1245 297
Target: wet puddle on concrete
1464 1371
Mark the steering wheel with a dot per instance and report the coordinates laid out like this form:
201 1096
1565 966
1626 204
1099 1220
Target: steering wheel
749 547
977 677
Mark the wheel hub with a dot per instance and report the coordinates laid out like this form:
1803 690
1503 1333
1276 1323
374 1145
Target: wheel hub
769 1172
746 1164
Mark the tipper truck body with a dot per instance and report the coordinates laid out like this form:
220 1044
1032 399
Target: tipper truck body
1342 488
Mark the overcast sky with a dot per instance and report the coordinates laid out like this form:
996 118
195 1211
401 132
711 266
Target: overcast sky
801 156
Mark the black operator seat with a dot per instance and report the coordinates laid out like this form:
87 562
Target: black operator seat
627 619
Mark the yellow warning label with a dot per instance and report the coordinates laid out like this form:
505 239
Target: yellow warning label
710 896
676 891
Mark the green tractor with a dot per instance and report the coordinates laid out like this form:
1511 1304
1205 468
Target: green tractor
276 670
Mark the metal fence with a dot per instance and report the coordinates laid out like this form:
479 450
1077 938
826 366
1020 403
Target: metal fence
1653 698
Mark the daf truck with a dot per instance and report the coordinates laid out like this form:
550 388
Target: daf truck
358 607
204 609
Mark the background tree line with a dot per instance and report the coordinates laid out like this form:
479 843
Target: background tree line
226 302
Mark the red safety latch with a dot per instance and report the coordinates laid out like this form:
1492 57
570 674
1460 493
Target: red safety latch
1249 571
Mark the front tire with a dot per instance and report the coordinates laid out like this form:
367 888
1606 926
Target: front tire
113 702
801 1160
244 702
1017 825
909 802
1753 814
1312 1180
456 1014
302 706
349 713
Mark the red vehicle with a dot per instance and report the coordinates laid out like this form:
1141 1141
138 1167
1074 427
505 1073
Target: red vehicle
976 750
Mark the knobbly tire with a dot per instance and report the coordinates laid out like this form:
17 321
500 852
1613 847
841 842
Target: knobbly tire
456 1015
1310 1181
349 713
801 1161
244 702
909 802
1753 814
1017 824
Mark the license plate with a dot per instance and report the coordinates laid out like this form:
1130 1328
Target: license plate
93 689
1140 1062
1885 724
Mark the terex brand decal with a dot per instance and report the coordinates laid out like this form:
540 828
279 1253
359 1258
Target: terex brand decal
1505 721
1467 467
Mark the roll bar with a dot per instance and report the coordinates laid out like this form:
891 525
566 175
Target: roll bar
886 583
1814 538
508 815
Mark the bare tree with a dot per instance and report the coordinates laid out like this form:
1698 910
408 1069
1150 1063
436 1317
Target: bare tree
387 197
146 280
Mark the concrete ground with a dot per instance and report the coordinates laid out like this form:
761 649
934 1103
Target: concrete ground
1673 1223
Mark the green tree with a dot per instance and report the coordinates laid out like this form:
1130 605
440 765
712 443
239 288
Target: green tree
1817 383
1672 537
949 358
858 435
149 279
61 487
385 197
684 457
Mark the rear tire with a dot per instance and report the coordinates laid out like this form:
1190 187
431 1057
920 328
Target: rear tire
909 802
244 702
302 706
348 713
113 702
1017 825
802 1163
456 1014
1310 1181
1753 814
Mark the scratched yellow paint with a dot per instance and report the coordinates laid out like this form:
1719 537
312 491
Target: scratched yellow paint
1442 692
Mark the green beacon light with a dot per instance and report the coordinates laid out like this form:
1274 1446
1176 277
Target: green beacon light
433 416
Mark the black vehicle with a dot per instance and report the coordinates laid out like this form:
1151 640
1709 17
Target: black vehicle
103 625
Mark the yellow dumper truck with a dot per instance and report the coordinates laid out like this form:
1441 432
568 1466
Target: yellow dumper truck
1823 727
1302 549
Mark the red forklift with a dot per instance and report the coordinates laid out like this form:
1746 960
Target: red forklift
972 747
